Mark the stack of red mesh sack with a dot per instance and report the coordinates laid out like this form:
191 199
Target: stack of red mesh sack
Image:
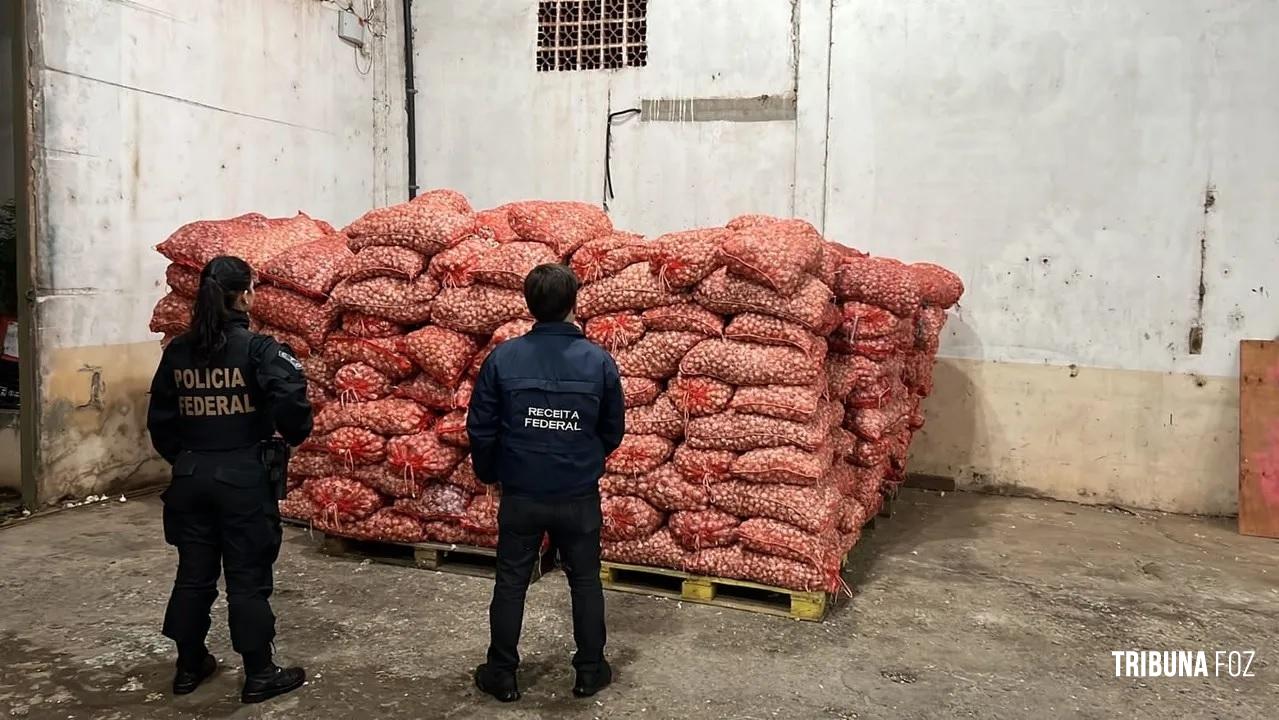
732 465
430 288
882 357
295 258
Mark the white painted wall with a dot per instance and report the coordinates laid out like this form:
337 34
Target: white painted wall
153 113
1056 155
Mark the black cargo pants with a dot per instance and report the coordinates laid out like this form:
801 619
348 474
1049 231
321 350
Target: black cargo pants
221 514
574 528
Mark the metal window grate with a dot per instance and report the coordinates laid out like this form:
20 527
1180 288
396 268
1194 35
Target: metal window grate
591 34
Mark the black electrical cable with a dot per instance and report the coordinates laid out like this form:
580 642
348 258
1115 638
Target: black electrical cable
608 151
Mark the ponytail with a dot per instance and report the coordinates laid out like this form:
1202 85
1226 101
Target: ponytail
222 281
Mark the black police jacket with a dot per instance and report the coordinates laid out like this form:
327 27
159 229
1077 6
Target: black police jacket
242 396
546 410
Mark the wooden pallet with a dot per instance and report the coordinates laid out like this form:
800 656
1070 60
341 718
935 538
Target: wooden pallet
455 559
720 592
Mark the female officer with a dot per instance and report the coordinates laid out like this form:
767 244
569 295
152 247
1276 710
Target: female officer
218 399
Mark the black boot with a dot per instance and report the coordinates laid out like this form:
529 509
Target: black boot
502 688
271 682
590 682
189 676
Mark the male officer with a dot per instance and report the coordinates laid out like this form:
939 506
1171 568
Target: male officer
546 410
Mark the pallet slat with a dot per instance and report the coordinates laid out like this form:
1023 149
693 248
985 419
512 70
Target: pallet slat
719 592
441 557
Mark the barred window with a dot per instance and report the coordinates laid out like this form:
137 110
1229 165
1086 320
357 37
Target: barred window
591 34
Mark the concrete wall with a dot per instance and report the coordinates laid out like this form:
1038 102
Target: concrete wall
156 112
1060 158
6 115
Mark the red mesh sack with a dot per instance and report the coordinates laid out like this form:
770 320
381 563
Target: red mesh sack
628 518
780 539
660 418
852 516
195 244
311 269
455 267
860 321
507 265
462 396
813 509
637 392
381 354
451 199
811 305
390 416
298 344
768 330
700 529
386 480
777 255
423 227
877 423
172 315
682 259
845 373
354 446
918 374
495 224
738 432
842 442
359 383
422 456
383 261
788 465
657 355
464 477
787 573
183 280
609 255
656 550
298 505
695 396
425 391
750 220
407 302
703 467
315 464
564 226
788 402
387 525
438 502
664 488
478 309
938 286
834 256
342 499
441 531
738 363
293 312
928 327
684 317
881 282
452 429
615 331
634 288
508 331
481 515
871 454
728 561
639 454
442 354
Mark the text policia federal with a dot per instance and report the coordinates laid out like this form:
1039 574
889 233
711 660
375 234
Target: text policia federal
1183 663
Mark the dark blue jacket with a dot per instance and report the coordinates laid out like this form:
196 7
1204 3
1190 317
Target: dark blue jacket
546 410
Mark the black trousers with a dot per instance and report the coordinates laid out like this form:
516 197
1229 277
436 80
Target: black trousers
221 514
574 528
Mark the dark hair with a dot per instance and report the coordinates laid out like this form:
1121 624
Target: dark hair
221 282
551 292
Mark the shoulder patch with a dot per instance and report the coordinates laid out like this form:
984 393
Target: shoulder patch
291 360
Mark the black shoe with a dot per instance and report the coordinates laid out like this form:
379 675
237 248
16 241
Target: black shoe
185 681
272 682
589 683
504 689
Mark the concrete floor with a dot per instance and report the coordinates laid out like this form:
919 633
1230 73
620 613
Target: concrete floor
966 606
